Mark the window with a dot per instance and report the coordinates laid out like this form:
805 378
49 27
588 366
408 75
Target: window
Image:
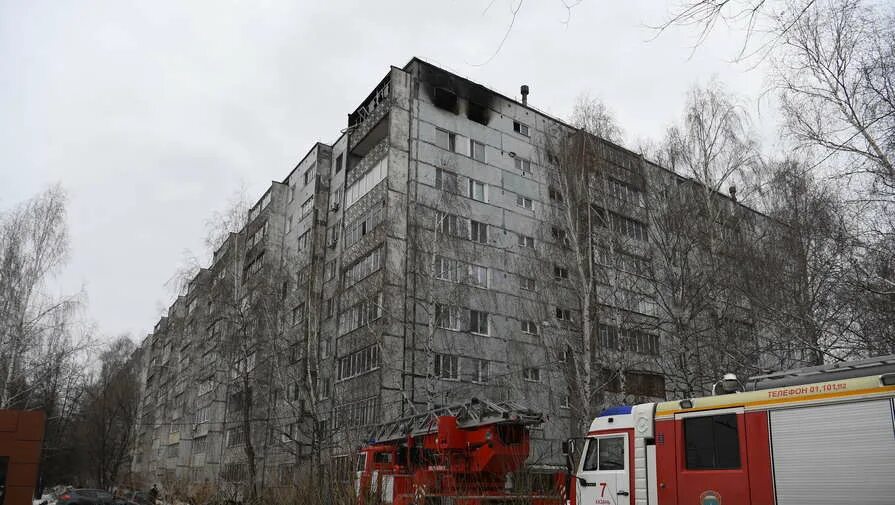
645 343
303 241
478 322
201 415
527 283
523 165
447 269
365 266
307 207
478 276
480 370
605 454
329 271
451 225
291 193
235 437
524 202
309 174
520 128
531 374
645 384
526 241
477 150
447 317
288 224
199 445
477 191
608 336
445 140
338 163
555 194
559 235
478 232
359 362
560 273
328 307
367 182
712 442
365 224
530 327
447 367
298 313
563 314
360 314
446 180
564 401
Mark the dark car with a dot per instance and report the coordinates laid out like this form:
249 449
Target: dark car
84 497
139 498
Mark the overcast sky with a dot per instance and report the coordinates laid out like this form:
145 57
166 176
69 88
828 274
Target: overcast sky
153 114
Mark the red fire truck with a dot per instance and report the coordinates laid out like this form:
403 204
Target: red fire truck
460 455
814 436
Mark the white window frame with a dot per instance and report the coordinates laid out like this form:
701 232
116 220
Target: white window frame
487 318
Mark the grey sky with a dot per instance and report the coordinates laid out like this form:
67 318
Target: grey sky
152 114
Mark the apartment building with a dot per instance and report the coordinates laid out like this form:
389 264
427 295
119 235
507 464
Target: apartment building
421 259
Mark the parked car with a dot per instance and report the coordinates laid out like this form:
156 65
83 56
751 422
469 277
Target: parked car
140 498
84 497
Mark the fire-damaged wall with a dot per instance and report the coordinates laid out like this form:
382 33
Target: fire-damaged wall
457 95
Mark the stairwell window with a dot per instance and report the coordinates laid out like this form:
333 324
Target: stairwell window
527 283
478 232
529 327
481 371
531 374
477 191
447 367
446 140
446 180
478 322
447 317
477 150
560 273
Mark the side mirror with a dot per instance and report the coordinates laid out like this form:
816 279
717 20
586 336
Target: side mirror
568 447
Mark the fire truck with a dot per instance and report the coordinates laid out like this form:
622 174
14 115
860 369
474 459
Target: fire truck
463 454
813 436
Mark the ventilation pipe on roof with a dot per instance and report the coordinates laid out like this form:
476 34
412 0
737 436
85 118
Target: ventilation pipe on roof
524 91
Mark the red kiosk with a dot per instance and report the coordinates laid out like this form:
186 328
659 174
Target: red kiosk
21 439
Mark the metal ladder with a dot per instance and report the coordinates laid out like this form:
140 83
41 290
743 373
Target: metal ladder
469 414
822 373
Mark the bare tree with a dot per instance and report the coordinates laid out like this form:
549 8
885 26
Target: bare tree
836 75
107 422
709 321
596 251
33 324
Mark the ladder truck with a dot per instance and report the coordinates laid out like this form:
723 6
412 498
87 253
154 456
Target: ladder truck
457 455
819 435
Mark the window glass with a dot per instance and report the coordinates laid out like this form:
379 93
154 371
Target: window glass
712 442
612 453
590 456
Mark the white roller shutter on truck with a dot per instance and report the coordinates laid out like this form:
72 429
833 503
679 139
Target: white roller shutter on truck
834 454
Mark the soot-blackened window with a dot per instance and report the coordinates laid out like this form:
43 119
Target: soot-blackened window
445 99
712 442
